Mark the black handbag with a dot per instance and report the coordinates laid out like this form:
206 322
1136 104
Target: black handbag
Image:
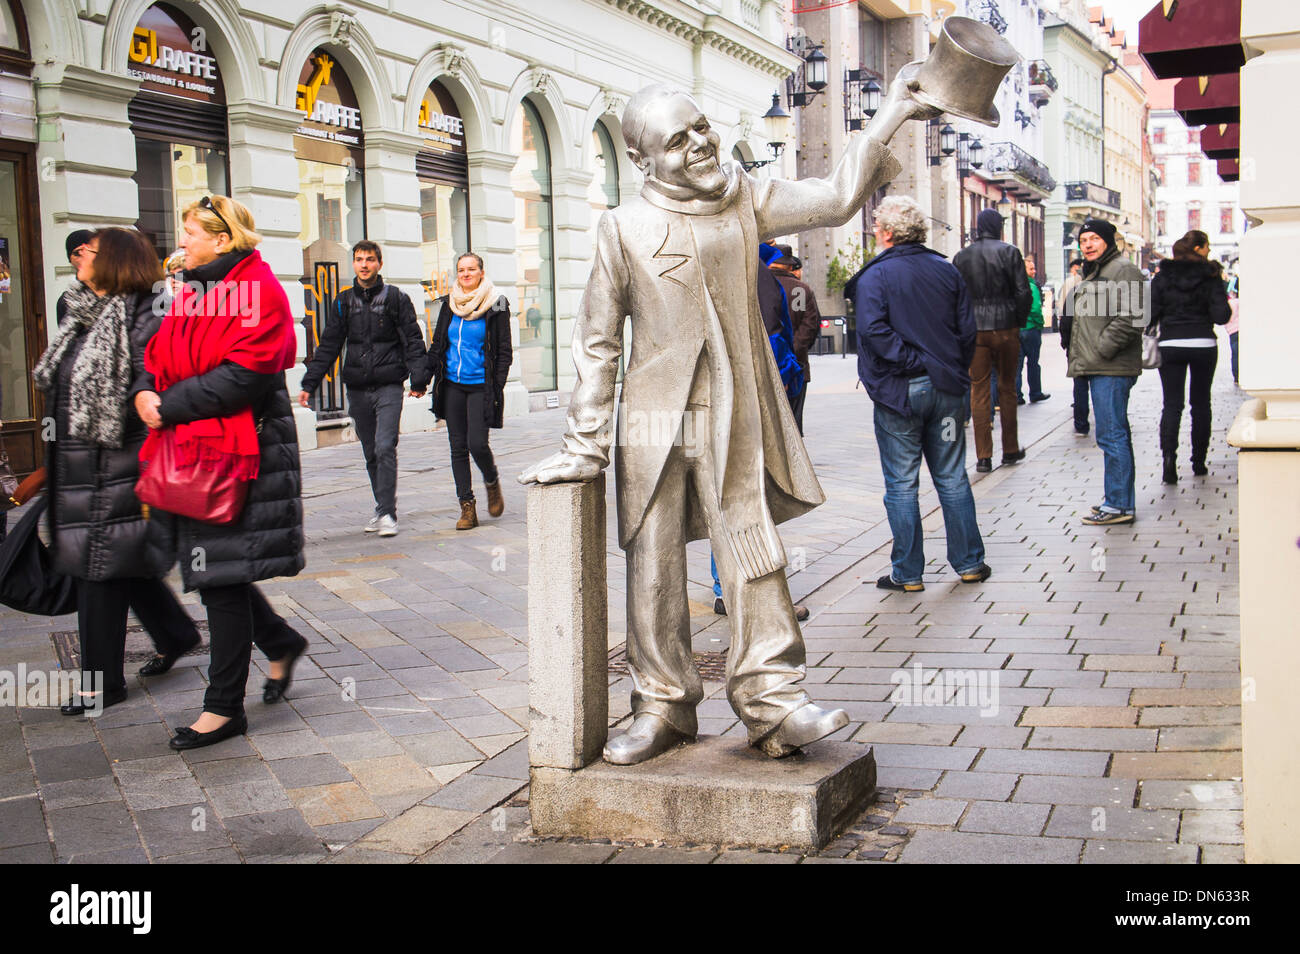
8 480
28 582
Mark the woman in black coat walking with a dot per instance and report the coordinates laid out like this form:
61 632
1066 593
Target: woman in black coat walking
1187 300
470 358
215 377
97 526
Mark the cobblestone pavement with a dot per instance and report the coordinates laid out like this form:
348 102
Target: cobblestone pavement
1109 727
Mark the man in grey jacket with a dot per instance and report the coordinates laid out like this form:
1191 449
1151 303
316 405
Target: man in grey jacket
1110 311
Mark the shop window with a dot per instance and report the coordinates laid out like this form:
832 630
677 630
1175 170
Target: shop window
15 386
171 176
535 278
442 166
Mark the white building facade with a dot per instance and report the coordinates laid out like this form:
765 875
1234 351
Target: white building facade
1190 194
430 127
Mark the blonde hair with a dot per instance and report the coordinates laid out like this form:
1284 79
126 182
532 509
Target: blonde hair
231 217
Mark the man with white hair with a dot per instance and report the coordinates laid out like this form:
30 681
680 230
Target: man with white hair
916 337
681 259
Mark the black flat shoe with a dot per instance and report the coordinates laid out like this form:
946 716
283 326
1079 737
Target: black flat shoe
163 662
1015 458
889 583
984 465
273 690
187 738
111 698
719 607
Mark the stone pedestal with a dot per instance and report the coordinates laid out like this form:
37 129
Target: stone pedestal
715 791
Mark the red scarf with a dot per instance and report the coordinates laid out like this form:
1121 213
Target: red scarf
244 318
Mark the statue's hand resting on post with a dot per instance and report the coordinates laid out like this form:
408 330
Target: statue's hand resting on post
561 468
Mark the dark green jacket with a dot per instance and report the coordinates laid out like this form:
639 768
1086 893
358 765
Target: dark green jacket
1109 308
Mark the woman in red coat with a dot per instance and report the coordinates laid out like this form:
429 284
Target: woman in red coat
217 380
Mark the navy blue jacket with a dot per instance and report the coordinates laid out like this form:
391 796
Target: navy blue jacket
914 318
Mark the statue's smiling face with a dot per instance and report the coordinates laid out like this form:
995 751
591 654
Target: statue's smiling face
679 147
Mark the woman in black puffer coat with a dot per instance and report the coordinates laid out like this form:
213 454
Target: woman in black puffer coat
97 526
1187 300
215 378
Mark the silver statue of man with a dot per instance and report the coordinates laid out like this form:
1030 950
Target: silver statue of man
681 259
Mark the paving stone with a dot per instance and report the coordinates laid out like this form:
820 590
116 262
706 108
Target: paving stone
473 792
271 837
1105 740
418 830
1109 697
104 826
341 723
135 741
308 770
925 756
63 762
247 798
1187 697
1027 762
1137 853
440 748
930 811
393 775
181 830
42 854
1075 791
230 771
1222 827
1005 818
362 745
1110 822
80 791
1222 855
21 822
1081 716
1185 765
333 804
285 745
951 847
662 856
981 785
993 736
1199 795
1200 738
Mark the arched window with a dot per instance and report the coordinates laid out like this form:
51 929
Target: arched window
534 250
15 53
602 194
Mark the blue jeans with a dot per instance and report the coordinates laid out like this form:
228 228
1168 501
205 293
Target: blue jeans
717 583
933 430
1031 345
1110 406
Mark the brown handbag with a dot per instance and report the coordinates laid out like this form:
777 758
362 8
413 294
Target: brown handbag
207 496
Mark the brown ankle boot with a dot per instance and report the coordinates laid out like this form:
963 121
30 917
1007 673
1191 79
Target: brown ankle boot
468 515
496 503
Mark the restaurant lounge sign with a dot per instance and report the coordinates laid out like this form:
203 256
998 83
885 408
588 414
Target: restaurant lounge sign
170 55
328 102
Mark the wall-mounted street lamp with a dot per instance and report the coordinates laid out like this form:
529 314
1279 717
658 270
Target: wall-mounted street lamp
861 98
776 124
940 141
810 78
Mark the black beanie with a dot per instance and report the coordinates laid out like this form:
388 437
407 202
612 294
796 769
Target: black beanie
1099 227
77 239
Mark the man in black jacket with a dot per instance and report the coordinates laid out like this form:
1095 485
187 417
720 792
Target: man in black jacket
805 317
384 347
995 277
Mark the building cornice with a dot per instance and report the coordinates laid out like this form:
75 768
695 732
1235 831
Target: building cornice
719 33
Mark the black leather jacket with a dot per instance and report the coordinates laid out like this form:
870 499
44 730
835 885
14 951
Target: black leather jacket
996 281
384 341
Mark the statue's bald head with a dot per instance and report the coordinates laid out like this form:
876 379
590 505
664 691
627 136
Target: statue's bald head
639 108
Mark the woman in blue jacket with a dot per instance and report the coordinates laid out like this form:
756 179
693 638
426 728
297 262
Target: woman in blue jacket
470 358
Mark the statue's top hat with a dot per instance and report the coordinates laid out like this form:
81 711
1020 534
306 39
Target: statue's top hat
962 72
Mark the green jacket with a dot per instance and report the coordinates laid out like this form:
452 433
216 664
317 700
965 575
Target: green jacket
1035 319
1109 308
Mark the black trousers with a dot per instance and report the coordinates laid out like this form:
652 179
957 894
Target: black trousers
467 432
1175 365
101 626
238 617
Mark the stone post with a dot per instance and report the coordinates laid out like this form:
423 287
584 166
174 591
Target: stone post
568 667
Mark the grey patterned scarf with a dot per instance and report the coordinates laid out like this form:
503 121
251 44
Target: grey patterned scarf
102 372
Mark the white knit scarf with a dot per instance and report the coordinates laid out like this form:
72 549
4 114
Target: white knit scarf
472 304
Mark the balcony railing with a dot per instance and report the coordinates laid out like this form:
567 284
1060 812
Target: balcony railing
1091 192
1042 82
1006 158
987 10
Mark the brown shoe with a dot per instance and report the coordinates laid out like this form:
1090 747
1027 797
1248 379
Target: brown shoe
496 503
468 515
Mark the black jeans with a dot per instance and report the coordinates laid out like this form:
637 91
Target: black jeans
238 617
1081 404
101 625
467 432
376 417
1175 363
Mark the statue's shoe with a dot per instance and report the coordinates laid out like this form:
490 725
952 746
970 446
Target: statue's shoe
648 735
802 727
